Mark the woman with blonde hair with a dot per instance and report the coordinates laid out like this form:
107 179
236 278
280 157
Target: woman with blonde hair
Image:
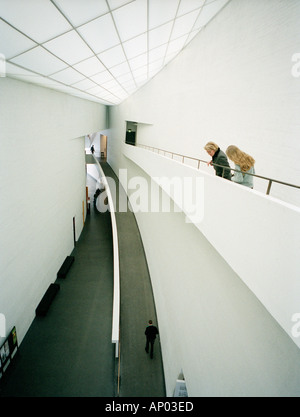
244 165
218 158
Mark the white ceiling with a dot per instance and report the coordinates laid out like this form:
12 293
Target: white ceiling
100 50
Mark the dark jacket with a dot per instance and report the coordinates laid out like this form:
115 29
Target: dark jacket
151 332
220 158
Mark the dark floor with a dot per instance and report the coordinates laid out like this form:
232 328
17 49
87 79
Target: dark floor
69 352
141 376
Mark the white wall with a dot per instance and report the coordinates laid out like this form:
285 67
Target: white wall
232 84
43 179
257 235
212 327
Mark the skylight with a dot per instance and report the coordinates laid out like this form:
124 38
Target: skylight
100 50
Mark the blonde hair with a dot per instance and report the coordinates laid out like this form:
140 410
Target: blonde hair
211 146
240 158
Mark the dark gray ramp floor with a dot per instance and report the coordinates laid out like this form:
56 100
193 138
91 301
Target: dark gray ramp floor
141 376
69 352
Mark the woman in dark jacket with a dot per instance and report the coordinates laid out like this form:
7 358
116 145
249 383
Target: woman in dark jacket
218 158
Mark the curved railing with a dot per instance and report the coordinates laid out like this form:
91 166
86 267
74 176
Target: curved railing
183 157
115 338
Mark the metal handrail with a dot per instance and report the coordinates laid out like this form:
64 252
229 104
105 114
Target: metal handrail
115 338
271 180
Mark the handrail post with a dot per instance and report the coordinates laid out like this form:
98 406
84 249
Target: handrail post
269 187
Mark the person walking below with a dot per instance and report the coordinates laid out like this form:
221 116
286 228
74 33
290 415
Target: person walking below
218 158
244 165
150 332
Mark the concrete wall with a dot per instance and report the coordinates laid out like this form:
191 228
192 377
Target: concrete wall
232 84
43 179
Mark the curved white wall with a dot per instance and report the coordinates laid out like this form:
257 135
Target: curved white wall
212 327
43 180
257 235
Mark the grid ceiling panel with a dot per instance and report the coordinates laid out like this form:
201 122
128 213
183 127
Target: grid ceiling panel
68 76
100 34
40 61
160 35
79 12
113 56
127 26
184 24
13 42
69 47
136 46
187 6
100 50
90 66
161 12
39 19
139 61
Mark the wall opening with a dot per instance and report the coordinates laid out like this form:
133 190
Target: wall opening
96 143
74 231
103 146
131 131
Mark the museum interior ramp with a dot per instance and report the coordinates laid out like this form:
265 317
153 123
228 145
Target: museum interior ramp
140 375
68 353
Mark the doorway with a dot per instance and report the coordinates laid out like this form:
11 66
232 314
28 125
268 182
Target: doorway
74 232
96 143
131 129
103 146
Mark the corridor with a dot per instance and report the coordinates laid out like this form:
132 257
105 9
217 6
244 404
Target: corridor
69 352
